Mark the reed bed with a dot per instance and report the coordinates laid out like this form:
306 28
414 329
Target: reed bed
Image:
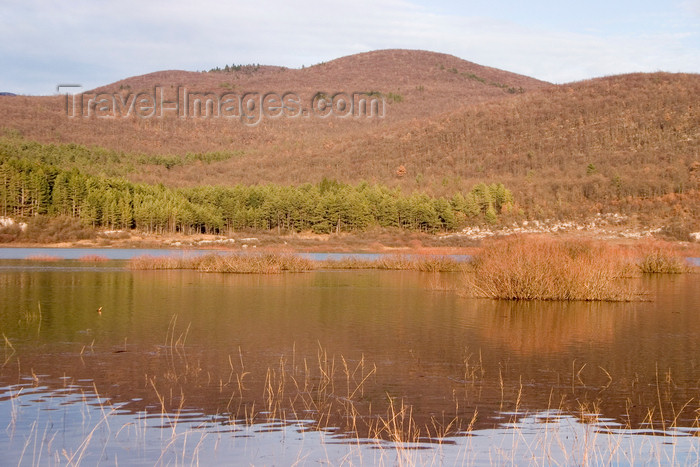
263 263
540 268
93 259
660 257
274 263
148 262
349 262
516 268
423 263
43 258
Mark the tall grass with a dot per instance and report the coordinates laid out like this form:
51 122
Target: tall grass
660 257
420 263
93 259
424 263
539 268
272 263
43 258
263 263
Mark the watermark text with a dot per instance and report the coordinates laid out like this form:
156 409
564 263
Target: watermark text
250 108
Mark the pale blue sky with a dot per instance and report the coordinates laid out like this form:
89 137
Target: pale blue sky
95 42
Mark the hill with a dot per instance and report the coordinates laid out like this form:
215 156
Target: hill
627 145
415 85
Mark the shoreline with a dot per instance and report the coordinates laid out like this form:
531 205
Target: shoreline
372 242
413 243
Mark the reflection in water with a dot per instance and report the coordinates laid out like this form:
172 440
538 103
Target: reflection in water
537 329
74 427
370 353
109 253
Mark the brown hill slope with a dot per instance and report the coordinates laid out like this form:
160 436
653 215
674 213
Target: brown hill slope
623 122
415 84
429 82
627 144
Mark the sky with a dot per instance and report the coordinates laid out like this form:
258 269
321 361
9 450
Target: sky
96 42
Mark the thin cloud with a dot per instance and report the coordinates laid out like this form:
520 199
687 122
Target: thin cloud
97 42
692 6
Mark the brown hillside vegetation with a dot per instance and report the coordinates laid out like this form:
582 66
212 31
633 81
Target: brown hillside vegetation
621 142
443 76
626 144
415 84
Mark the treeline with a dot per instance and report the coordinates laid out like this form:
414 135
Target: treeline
28 188
233 67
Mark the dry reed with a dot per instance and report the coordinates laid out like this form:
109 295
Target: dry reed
660 257
332 392
264 263
93 259
273 263
539 268
423 263
43 258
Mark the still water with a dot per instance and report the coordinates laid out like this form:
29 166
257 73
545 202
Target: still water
360 367
128 253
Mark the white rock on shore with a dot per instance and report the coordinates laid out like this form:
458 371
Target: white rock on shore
605 225
9 222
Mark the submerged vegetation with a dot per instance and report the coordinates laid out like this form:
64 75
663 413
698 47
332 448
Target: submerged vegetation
335 395
219 377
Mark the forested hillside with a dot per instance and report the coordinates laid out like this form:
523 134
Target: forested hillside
29 189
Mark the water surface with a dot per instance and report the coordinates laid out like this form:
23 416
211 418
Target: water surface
302 364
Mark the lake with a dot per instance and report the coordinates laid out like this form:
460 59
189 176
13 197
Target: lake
359 367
